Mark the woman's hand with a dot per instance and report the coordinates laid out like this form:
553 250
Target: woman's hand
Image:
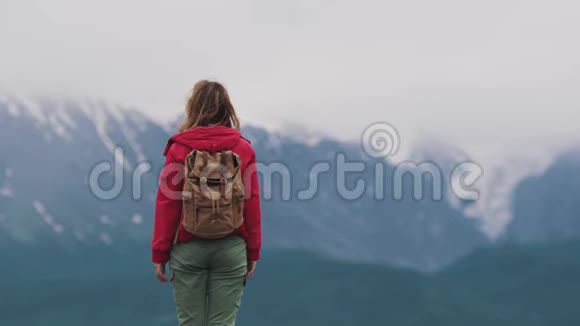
160 272
251 269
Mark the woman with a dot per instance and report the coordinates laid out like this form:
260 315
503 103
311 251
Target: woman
207 276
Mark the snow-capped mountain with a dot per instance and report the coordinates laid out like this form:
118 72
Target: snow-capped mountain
499 179
50 149
51 191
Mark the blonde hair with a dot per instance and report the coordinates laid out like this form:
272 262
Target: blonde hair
209 104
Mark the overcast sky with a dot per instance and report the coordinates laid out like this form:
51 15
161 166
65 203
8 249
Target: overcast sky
490 76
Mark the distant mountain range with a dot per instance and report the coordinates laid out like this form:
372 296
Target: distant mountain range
70 258
51 146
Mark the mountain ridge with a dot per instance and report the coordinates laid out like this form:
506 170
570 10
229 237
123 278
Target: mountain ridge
424 234
93 135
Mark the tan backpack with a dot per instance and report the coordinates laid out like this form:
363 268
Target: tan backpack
213 194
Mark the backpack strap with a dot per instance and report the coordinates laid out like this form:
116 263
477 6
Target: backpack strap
178 225
177 231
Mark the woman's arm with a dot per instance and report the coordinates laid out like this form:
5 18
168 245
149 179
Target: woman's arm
167 208
252 211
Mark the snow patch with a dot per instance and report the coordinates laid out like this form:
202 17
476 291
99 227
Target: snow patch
13 109
64 116
278 131
131 137
60 122
497 204
101 120
472 211
105 220
313 141
59 128
58 228
34 110
115 112
41 210
137 219
106 239
48 219
39 207
86 107
6 192
498 183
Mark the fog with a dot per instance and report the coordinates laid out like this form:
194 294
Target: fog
494 78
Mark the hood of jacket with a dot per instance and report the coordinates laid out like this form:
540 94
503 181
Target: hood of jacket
210 138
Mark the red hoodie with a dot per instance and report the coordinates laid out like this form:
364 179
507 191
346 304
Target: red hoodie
168 212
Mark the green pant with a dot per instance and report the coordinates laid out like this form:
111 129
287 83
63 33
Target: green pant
207 278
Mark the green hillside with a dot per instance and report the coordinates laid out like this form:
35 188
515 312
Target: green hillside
509 285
